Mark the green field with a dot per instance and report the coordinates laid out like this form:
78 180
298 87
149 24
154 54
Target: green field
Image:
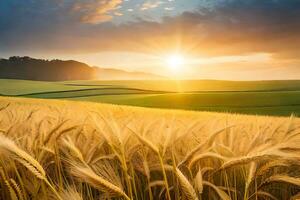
259 97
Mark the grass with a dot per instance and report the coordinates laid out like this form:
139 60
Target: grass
264 103
259 97
19 87
54 149
86 93
198 85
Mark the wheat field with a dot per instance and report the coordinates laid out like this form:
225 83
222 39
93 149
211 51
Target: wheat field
72 150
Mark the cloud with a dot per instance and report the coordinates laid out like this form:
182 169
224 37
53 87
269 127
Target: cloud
230 27
169 8
151 4
96 11
118 14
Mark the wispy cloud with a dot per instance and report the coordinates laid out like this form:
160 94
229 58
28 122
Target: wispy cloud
118 14
169 8
151 4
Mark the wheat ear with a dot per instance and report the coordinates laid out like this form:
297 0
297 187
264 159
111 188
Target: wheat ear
90 177
8 146
11 190
16 188
282 179
187 188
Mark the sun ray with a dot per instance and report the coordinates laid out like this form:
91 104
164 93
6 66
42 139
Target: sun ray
175 62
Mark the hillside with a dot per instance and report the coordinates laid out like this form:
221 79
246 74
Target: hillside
44 70
27 68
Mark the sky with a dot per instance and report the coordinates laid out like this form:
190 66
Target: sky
212 39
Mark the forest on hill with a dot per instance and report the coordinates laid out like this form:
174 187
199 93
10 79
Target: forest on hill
44 70
27 68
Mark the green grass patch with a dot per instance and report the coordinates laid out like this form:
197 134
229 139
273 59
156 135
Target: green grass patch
266 103
259 97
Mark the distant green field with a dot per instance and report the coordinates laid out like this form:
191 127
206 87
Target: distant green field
19 87
260 97
197 85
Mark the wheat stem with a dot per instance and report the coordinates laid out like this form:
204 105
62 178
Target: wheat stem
165 176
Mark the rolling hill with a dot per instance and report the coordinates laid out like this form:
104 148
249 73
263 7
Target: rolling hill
27 68
44 70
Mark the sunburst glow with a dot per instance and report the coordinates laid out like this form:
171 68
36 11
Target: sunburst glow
175 62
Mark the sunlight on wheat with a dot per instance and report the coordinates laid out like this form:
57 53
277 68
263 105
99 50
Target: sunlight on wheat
67 150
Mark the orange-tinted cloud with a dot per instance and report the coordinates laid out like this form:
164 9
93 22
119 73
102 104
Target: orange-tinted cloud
94 12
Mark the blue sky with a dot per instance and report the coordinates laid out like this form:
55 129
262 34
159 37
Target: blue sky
154 10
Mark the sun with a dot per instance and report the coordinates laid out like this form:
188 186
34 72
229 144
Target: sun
175 62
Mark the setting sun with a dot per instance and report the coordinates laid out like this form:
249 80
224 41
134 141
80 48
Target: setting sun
175 62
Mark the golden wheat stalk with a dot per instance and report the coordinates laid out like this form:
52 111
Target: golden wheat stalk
206 155
282 179
205 144
144 141
9 147
16 188
73 150
12 193
53 131
157 183
267 155
250 176
71 194
263 193
223 195
87 175
198 181
263 169
187 189
156 150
